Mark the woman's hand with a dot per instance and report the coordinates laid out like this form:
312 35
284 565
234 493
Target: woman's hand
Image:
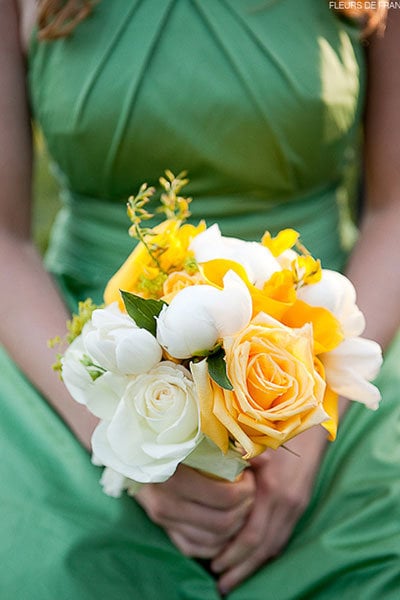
284 484
200 514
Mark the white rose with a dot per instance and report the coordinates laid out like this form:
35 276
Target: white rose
256 259
117 344
199 316
88 384
156 425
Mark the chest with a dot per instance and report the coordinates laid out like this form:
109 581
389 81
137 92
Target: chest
214 85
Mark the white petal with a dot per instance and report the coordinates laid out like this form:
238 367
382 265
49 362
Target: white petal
113 483
137 352
111 317
155 471
101 350
180 334
105 393
336 293
234 308
76 379
173 452
351 366
75 376
286 258
256 259
105 455
199 315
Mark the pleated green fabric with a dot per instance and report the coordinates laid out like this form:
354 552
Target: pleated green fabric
261 102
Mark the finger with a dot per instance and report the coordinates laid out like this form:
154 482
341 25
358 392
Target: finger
244 544
276 538
198 542
170 511
192 548
233 577
201 489
262 539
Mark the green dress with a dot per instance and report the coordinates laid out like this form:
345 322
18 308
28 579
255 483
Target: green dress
260 101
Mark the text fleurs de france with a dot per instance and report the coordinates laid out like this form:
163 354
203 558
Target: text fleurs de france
356 5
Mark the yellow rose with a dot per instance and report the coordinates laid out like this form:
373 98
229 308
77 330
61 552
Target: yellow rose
278 392
179 280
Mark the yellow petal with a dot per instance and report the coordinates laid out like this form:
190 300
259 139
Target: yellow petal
169 236
225 416
277 295
330 404
210 425
327 330
307 270
285 239
215 270
126 277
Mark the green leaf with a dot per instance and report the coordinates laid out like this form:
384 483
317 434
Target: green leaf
143 311
217 369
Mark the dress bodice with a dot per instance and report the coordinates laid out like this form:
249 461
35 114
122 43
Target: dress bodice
259 101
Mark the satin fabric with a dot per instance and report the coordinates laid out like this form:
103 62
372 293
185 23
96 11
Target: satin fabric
261 102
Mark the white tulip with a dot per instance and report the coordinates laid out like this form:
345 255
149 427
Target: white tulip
351 366
155 427
117 344
110 318
199 316
336 293
256 259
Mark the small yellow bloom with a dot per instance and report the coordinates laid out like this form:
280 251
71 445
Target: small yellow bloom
166 249
306 270
285 240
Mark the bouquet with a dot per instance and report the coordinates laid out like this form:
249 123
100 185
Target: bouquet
209 350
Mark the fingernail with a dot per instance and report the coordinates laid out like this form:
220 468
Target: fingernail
223 590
